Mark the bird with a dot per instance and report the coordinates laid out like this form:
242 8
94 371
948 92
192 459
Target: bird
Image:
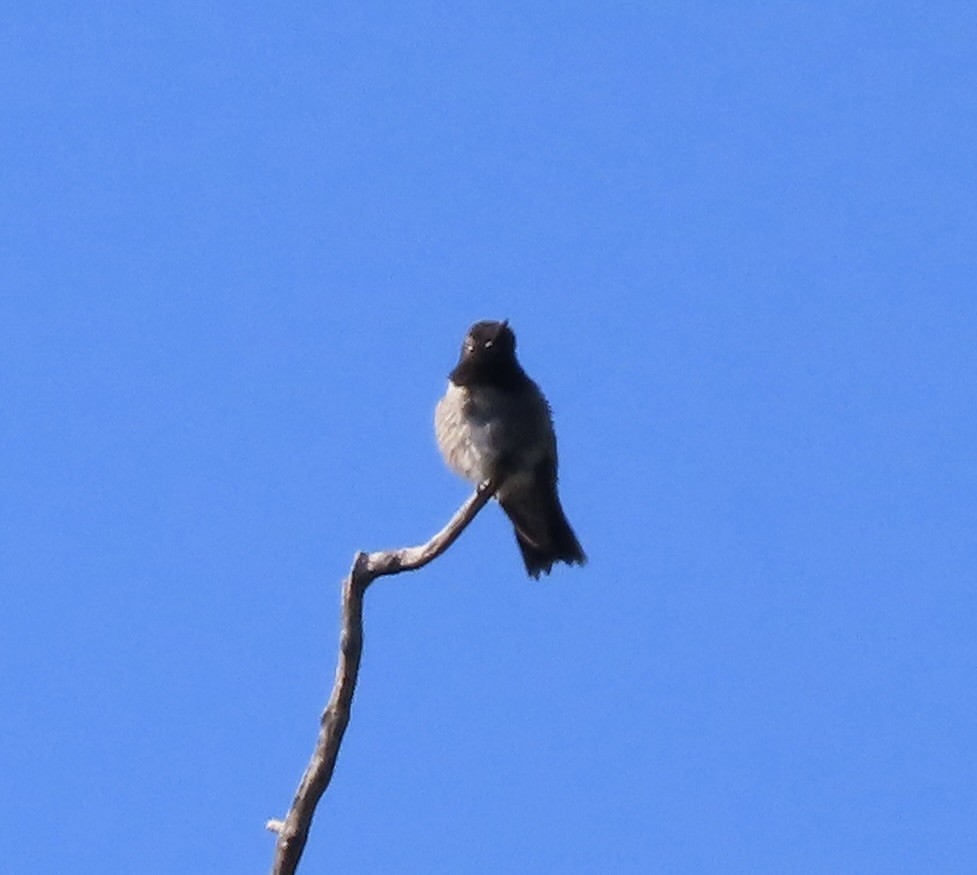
494 424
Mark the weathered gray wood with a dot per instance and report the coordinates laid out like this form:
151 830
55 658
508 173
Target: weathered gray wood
293 831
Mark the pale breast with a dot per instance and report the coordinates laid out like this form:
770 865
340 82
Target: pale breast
461 445
477 432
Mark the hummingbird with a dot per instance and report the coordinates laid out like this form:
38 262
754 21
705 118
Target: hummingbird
494 423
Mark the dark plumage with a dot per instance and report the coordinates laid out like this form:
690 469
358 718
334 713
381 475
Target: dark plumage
494 423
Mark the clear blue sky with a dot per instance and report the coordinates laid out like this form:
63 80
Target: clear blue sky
239 247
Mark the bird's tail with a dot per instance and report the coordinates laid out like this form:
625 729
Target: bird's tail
543 532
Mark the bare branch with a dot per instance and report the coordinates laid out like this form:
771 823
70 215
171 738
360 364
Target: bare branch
367 567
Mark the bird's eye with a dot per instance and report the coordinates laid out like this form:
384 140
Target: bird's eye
489 343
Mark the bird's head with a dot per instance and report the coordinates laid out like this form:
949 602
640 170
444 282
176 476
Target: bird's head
488 356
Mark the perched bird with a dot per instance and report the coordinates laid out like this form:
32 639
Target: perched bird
493 423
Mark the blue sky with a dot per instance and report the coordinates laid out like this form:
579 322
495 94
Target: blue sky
239 249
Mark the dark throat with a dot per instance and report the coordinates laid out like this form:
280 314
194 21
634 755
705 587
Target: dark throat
497 373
